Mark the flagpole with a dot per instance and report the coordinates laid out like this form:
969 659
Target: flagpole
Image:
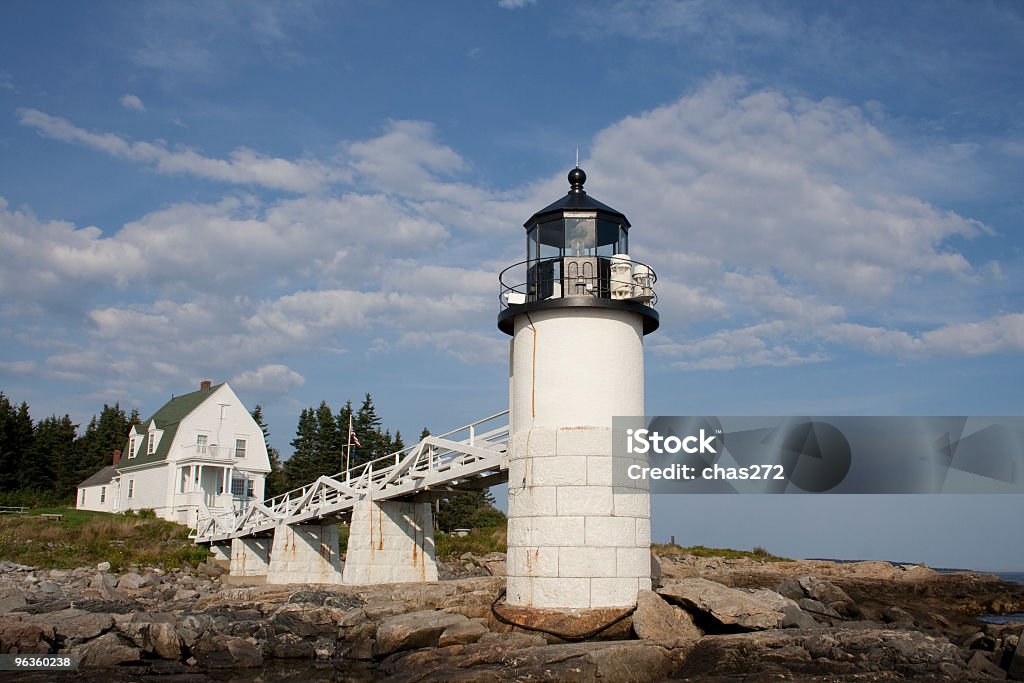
348 449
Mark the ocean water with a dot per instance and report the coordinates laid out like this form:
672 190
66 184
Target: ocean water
1016 577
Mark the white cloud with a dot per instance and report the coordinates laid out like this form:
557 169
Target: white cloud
133 102
6 81
515 4
766 215
268 380
243 167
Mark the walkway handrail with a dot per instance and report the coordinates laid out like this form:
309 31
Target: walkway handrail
438 453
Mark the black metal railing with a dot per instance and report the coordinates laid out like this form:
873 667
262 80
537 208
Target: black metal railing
600 277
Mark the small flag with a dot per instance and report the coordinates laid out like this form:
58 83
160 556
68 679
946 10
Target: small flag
352 435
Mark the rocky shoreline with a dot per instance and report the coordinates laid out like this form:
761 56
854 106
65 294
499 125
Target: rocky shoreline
709 620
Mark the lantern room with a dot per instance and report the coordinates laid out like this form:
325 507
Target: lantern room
577 254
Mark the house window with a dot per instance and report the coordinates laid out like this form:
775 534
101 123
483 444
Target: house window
239 448
132 448
131 488
201 440
185 476
152 443
103 494
243 488
83 497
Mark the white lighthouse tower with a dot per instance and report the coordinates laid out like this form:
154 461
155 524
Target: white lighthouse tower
577 310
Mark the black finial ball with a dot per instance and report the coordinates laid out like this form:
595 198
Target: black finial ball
576 179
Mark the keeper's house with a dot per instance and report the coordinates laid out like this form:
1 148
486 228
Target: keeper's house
201 450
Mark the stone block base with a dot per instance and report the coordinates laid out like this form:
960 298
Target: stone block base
305 553
250 556
390 542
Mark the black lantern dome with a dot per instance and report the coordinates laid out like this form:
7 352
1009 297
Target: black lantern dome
577 254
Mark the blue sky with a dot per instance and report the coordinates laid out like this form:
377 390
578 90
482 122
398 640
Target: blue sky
313 200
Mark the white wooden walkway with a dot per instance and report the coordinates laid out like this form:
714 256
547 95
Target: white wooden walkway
469 457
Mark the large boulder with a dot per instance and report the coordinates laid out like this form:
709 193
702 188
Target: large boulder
13 602
828 594
415 630
826 654
227 652
24 636
107 650
655 619
727 606
1017 663
517 656
76 625
131 581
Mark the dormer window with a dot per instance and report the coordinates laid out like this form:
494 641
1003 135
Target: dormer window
133 447
151 443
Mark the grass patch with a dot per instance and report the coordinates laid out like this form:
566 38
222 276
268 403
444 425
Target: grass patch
759 554
478 542
85 538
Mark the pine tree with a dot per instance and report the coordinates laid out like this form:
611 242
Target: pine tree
274 483
367 427
328 442
300 466
15 442
344 418
105 434
53 439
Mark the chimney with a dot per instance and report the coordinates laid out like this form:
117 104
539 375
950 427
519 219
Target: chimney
117 457
205 384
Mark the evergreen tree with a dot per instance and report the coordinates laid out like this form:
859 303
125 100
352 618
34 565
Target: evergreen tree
470 510
367 427
328 442
95 448
53 440
344 416
275 480
300 466
15 442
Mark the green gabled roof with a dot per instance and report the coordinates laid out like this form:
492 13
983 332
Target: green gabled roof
167 419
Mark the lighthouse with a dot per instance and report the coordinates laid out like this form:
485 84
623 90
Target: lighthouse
577 310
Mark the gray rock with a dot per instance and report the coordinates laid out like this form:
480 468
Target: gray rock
78 625
728 606
154 633
107 650
101 581
502 656
192 627
1016 669
211 570
228 652
414 630
655 571
827 654
131 581
291 646
462 633
770 597
794 617
895 615
22 635
48 587
103 566
185 594
818 609
12 602
827 593
980 662
790 589
655 619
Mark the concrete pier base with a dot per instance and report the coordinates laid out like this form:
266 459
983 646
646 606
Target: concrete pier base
220 554
305 553
250 556
390 542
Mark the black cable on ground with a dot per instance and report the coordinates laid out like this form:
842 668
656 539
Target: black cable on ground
556 634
